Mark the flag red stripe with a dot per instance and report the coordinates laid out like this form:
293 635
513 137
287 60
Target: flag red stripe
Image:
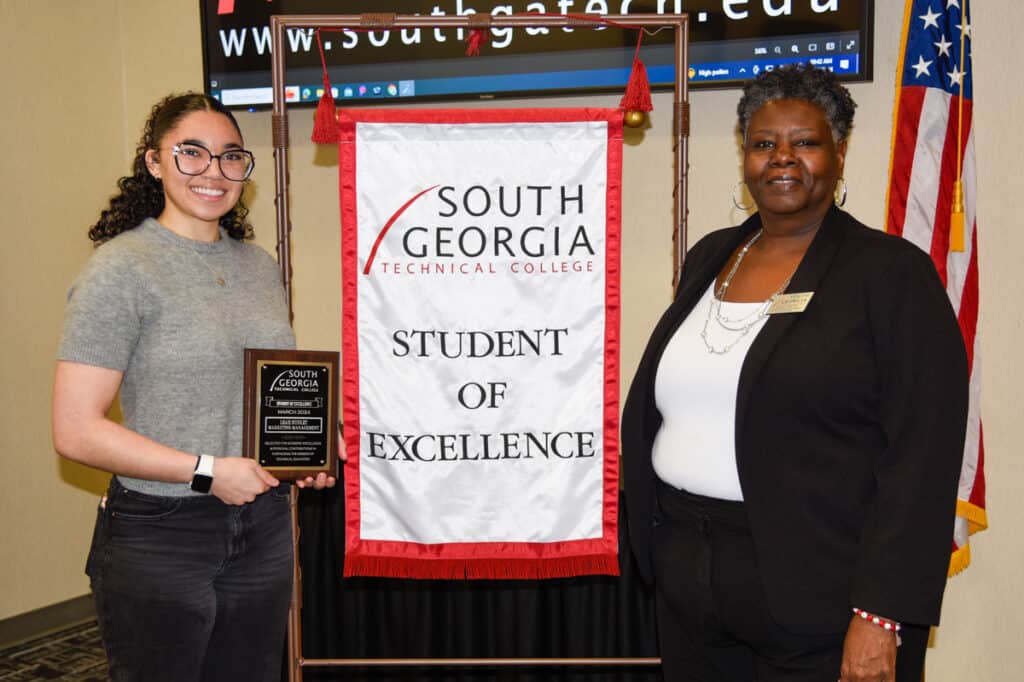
911 100
968 313
977 497
968 318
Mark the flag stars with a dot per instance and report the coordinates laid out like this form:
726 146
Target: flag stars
931 18
965 27
952 3
955 77
943 46
921 67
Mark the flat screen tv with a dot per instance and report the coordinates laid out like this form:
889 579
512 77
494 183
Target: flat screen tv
731 40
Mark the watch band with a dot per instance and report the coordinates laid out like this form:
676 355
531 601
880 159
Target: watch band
202 477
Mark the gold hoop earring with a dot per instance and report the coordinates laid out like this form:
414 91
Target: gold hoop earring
735 202
840 193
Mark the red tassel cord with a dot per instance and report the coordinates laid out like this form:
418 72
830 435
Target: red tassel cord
325 122
638 88
476 36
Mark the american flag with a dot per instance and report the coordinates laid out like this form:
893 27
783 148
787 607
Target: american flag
933 149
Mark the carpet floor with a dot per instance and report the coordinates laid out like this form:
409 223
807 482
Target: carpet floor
74 654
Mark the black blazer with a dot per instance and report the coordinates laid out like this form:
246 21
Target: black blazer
850 425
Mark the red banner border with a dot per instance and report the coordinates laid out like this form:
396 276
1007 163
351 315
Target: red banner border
507 560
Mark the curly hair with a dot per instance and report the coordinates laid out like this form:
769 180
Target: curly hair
799 81
142 195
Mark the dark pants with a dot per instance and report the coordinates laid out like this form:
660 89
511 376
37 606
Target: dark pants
192 589
713 619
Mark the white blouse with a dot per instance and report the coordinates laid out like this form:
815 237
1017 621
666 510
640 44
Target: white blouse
695 392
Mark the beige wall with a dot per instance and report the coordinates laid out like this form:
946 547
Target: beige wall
73 112
63 140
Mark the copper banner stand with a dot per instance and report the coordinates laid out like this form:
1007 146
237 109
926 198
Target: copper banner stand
279 24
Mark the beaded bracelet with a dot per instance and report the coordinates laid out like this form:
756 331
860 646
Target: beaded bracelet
890 625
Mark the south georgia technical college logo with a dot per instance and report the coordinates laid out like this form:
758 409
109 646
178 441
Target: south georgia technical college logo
481 230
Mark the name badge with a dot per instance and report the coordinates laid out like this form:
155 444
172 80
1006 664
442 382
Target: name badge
790 303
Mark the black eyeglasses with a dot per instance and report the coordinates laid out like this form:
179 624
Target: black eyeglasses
194 159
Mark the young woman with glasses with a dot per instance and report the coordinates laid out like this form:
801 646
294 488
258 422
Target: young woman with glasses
191 558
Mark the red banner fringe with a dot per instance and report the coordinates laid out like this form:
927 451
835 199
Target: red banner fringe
481 569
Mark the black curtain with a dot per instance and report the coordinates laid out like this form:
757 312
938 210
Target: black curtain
593 616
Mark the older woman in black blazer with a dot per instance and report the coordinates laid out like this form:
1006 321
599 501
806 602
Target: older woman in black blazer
793 436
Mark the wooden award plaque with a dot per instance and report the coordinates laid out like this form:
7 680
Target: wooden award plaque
291 411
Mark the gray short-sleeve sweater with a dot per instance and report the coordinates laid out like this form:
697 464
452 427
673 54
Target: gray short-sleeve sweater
149 305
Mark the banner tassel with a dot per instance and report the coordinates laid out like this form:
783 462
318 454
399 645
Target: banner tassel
638 89
636 101
476 36
325 121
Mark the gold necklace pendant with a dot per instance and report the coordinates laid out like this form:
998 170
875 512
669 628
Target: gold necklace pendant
219 279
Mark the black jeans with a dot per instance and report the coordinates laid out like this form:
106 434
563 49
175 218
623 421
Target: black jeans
192 589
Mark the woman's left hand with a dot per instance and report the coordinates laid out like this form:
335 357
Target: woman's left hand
869 653
322 480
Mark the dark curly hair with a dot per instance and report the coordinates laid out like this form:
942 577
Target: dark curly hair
799 81
142 195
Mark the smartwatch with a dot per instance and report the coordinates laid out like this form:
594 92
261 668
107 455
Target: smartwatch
202 477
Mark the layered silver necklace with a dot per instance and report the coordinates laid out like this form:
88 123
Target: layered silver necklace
734 329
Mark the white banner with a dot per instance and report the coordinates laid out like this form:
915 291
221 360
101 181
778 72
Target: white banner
480 337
